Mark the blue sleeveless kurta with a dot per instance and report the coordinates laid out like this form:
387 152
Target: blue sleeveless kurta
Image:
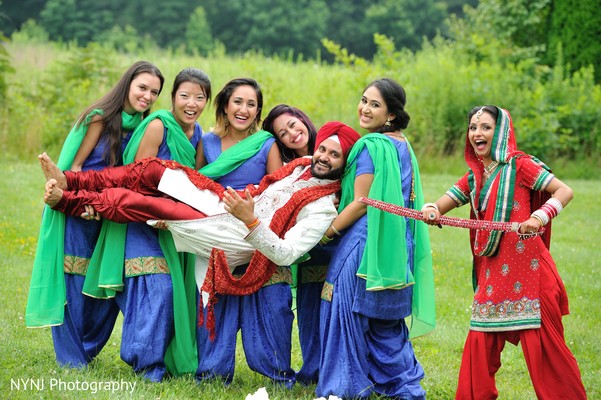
365 341
88 321
265 318
250 171
147 297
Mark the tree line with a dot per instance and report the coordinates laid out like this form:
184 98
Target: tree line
281 27
271 26
542 28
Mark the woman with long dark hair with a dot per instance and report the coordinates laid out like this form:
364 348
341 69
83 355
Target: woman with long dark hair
81 324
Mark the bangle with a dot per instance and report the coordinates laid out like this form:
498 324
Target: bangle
335 230
433 205
541 216
253 224
552 207
325 240
548 211
539 219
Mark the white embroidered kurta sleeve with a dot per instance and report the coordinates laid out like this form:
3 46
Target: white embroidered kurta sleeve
223 231
311 223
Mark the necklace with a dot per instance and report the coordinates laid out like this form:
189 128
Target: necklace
234 139
398 136
491 167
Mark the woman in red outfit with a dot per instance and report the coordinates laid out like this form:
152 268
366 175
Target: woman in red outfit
518 295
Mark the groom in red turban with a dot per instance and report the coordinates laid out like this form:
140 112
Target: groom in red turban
339 133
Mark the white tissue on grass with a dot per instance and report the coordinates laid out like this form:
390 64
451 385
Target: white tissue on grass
260 394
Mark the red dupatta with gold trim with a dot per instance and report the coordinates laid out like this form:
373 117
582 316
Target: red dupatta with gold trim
494 197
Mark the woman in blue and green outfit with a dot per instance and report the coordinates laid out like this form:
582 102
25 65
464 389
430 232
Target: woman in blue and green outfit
236 155
138 265
81 324
158 297
381 270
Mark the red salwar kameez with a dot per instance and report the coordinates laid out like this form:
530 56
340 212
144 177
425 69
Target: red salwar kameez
519 296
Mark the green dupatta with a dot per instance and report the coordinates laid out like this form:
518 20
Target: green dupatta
181 356
108 259
105 274
47 293
384 261
236 155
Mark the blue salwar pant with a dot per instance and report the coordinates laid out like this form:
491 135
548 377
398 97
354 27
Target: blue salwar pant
265 321
87 325
148 327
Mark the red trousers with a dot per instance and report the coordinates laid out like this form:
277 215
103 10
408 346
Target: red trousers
553 369
123 194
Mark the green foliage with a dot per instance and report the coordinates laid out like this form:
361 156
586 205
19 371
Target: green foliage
77 20
268 26
576 25
15 12
198 33
223 19
5 68
532 30
353 24
510 31
126 40
165 22
30 33
342 55
347 26
406 21
526 28
556 114
455 7
565 118
67 87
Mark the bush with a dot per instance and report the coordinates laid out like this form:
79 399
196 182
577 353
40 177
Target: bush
5 68
66 88
30 33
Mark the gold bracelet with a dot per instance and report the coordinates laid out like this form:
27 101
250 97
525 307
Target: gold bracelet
539 219
335 230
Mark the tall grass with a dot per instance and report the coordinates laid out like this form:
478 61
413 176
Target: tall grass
28 353
554 115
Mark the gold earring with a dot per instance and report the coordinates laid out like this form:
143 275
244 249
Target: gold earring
387 123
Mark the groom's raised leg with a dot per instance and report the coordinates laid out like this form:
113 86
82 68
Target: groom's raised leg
120 205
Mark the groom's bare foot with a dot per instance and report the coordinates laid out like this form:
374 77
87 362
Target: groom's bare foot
52 194
51 171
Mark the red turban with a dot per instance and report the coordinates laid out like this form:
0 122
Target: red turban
347 135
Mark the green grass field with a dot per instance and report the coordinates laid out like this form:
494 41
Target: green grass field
28 353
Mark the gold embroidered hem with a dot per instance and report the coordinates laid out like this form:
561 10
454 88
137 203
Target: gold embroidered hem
506 316
75 265
145 265
327 291
281 275
313 274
